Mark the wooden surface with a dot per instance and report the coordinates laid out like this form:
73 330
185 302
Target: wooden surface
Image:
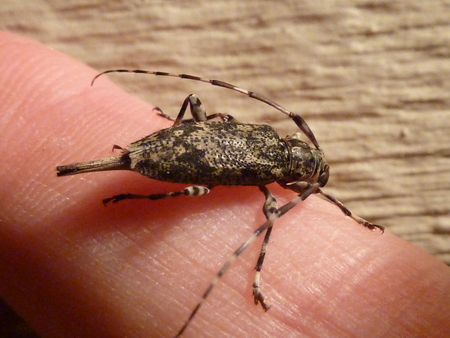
372 79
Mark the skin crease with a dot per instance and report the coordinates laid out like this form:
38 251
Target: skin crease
73 268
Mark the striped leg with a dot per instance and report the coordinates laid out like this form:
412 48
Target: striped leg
270 210
195 190
225 267
272 216
198 112
347 212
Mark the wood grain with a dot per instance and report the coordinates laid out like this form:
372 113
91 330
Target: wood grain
372 78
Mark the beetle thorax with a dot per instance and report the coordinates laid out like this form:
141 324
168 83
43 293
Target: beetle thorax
306 164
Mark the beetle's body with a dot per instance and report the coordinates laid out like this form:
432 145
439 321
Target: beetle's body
206 153
210 153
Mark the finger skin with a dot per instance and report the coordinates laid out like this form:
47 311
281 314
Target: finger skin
74 268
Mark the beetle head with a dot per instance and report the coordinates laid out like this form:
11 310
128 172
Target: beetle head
306 164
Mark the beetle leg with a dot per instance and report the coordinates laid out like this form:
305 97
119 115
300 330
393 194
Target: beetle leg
272 216
197 110
194 191
196 107
270 210
347 212
227 118
162 114
301 187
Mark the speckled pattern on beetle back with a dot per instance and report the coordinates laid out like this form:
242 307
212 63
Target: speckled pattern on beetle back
212 153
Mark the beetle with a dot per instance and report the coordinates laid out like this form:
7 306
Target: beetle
212 150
